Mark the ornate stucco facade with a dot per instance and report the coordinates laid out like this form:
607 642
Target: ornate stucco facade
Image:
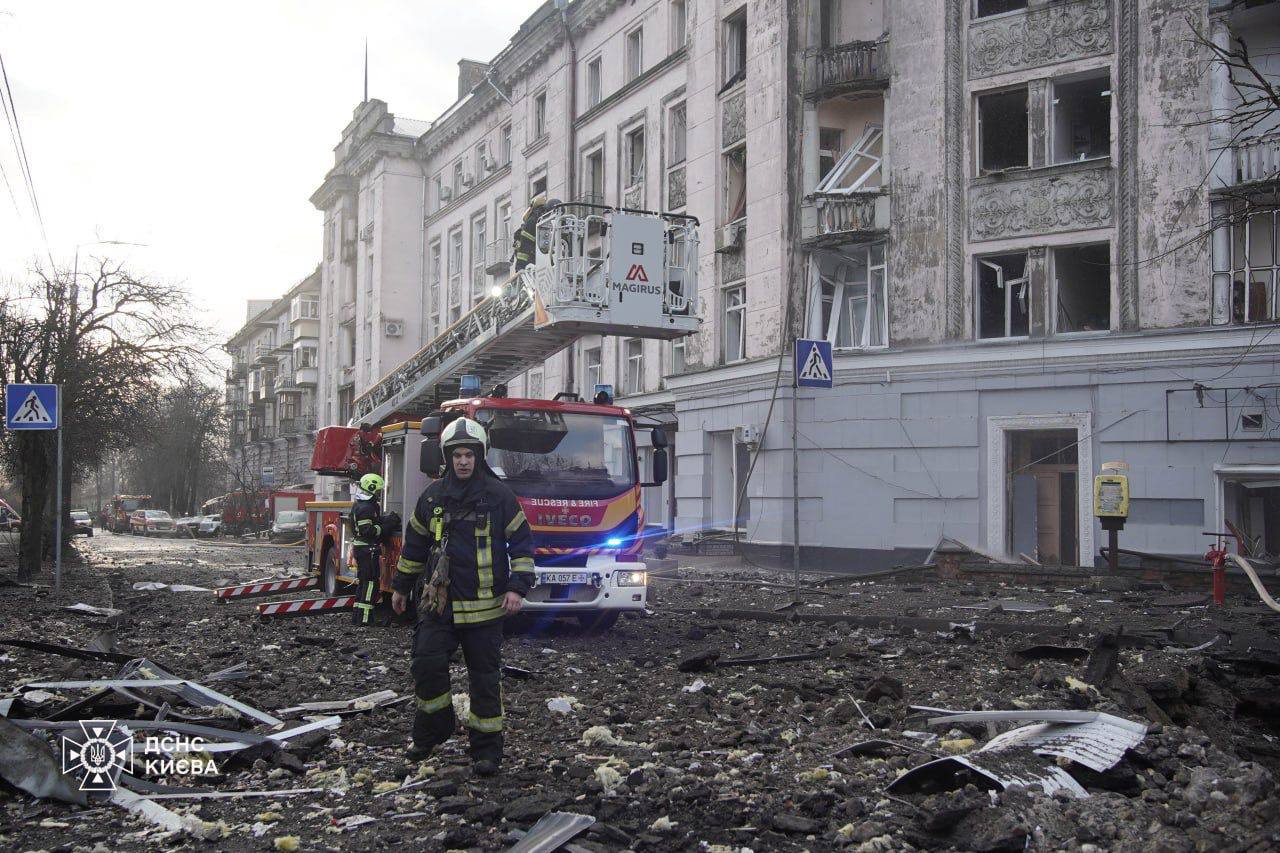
997 211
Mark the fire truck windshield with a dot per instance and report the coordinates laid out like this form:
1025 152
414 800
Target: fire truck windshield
558 454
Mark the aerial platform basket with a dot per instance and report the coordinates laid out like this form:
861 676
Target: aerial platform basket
597 271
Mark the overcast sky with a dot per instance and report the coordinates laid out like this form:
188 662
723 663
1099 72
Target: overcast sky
201 130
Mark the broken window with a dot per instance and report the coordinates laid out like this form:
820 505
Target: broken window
1002 131
828 23
479 229
1246 264
593 178
735 323
735 48
830 147
983 8
594 90
591 368
538 186
847 290
455 275
634 157
539 115
635 53
634 375
1081 120
1082 284
735 184
679 24
1004 299
859 168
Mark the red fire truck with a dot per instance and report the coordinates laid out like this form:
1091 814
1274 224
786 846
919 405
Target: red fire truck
573 467
572 464
119 509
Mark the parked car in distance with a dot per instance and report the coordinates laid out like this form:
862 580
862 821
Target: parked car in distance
82 521
210 525
9 518
290 526
150 522
187 525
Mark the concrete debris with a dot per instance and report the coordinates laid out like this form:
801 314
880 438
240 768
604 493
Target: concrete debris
762 754
1006 605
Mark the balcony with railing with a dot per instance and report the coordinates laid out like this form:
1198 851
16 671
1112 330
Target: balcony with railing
306 377
847 67
497 257
347 313
264 353
237 372
1256 159
834 217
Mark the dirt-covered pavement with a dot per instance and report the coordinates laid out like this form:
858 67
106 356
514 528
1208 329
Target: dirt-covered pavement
658 731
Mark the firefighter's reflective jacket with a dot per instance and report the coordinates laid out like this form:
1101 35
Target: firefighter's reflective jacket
525 240
488 544
366 516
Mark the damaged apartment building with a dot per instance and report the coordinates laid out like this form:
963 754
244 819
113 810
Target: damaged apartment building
1015 221
271 389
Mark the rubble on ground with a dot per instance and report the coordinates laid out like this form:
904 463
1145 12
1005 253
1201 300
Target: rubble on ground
724 720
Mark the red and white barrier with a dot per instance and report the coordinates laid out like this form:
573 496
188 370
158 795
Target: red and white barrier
253 588
307 606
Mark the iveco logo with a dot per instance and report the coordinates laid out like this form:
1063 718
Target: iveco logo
548 520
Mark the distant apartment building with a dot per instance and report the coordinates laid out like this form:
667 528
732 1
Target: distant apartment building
271 389
1011 218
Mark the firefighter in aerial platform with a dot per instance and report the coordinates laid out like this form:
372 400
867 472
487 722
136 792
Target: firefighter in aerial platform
366 517
468 526
526 240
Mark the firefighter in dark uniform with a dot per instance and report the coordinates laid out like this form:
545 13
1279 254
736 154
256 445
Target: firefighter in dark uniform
366 516
526 240
468 526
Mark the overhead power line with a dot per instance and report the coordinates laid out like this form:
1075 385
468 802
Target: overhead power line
20 147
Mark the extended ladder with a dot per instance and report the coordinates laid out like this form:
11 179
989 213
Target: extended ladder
597 270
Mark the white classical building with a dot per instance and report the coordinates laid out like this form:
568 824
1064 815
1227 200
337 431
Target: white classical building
997 211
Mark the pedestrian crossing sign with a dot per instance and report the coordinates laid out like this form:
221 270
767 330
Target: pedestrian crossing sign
28 406
813 363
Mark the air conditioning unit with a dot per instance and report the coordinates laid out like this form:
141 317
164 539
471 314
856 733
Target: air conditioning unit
366 233
746 435
393 328
489 163
731 236
446 193
468 179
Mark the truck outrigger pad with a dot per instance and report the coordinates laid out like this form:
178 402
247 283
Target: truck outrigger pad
307 606
265 587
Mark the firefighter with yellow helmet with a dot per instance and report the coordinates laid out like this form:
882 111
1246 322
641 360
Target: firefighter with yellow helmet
366 517
468 529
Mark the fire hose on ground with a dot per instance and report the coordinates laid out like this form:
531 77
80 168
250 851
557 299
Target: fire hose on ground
1248 569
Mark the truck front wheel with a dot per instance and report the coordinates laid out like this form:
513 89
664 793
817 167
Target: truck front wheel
598 622
329 570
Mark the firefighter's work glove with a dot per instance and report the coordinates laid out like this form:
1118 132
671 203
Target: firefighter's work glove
436 593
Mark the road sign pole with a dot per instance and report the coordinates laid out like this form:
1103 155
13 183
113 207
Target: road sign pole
795 486
57 534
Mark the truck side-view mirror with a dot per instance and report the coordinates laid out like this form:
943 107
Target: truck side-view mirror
659 466
430 458
430 426
658 437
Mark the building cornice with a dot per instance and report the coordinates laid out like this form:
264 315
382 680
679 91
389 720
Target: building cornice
336 184
1126 350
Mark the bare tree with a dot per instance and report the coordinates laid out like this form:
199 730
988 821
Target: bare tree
183 425
107 338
